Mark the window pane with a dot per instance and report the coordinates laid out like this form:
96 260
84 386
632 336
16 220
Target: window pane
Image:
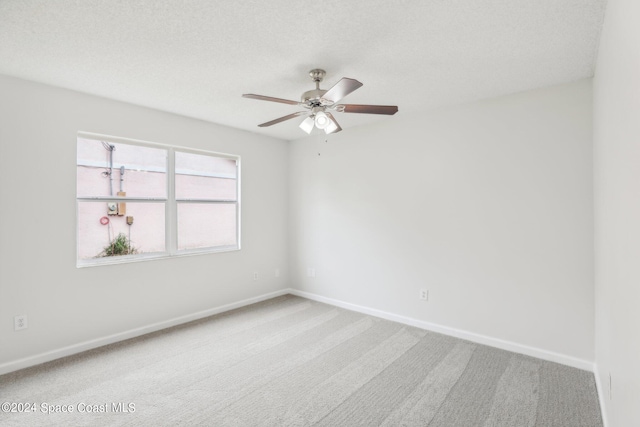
203 177
192 187
101 235
99 170
204 225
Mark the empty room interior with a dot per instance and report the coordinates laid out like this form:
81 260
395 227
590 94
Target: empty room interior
320 213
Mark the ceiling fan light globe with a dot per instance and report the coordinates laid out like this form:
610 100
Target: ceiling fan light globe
331 127
307 125
322 120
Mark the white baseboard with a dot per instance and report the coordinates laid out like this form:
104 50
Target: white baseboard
99 342
602 392
458 333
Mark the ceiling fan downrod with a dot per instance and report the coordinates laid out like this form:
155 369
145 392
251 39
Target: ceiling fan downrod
313 96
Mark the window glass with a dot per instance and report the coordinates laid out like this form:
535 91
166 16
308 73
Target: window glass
97 230
206 225
106 168
204 177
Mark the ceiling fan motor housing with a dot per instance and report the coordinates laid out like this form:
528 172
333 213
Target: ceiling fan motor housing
313 97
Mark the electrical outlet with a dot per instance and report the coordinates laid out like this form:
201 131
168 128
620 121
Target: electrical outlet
277 272
311 272
424 294
255 275
20 322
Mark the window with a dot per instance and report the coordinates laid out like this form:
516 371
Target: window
138 200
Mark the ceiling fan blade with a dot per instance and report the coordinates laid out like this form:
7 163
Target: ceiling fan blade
367 109
282 119
341 89
270 98
333 127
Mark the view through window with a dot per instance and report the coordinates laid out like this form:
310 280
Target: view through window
138 200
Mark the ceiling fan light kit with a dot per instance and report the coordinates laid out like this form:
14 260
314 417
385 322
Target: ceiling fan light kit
307 125
319 103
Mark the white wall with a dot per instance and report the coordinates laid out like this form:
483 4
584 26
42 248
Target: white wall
617 212
67 306
488 206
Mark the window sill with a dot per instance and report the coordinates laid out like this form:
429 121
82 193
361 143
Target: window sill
126 259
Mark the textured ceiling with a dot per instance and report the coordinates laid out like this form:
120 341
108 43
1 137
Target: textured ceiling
197 58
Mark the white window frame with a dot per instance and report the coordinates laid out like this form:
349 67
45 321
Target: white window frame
171 205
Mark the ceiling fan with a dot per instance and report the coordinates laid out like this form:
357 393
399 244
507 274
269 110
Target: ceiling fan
319 104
